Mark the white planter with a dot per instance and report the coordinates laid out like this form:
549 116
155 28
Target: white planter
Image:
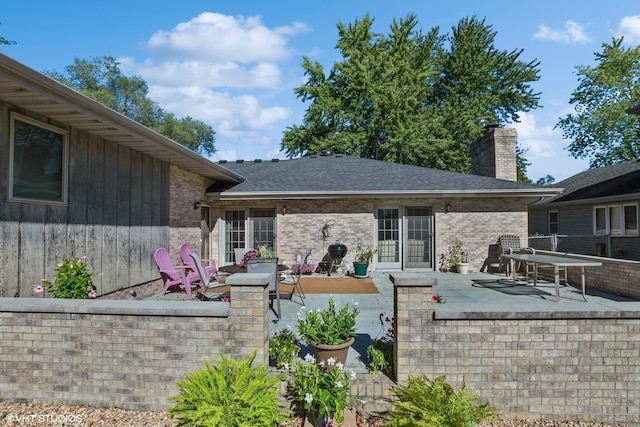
463 267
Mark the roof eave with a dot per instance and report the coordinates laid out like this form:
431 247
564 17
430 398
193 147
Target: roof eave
381 194
152 142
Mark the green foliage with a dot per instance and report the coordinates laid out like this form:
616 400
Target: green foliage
329 326
601 130
283 348
318 388
72 280
427 403
405 98
229 393
380 353
457 254
364 255
102 80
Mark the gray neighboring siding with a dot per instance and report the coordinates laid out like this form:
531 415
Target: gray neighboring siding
117 215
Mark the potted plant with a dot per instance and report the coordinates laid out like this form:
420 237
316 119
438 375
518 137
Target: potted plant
458 257
331 331
321 389
364 256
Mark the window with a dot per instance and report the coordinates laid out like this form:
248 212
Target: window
242 231
616 220
37 162
553 222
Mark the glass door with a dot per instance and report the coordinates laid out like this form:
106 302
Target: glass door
418 239
388 236
205 233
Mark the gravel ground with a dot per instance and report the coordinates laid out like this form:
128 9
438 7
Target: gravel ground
14 415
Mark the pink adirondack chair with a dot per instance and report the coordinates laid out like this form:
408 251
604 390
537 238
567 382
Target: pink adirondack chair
173 275
208 265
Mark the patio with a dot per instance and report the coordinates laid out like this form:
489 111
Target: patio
473 295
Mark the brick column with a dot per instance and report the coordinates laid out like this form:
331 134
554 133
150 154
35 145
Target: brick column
412 310
249 316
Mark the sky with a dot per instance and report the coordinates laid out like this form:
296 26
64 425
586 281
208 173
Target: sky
235 64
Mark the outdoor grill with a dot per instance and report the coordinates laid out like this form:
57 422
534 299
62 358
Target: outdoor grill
337 251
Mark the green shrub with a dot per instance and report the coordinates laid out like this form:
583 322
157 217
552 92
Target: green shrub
72 280
435 403
229 393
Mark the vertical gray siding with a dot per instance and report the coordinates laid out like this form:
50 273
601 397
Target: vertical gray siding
117 214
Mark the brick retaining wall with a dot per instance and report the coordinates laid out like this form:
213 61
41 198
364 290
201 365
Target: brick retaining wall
124 354
577 366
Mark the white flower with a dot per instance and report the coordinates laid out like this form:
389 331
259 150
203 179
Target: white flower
355 304
339 384
340 366
308 397
331 361
286 366
353 375
309 358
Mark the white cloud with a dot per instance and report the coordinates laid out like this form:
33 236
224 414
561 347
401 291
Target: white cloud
223 70
225 38
629 27
542 142
572 33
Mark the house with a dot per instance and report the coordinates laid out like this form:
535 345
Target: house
410 214
79 179
83 180
596 214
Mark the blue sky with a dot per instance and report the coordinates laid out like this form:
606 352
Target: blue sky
234 64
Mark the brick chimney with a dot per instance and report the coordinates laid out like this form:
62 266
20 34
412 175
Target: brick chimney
494 153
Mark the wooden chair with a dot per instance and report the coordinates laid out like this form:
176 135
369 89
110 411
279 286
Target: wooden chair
173 275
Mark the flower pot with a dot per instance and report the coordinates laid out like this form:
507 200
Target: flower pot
360 269
462 267
338 351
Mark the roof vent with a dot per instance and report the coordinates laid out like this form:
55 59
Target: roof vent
222 161
257 161
275 160
326 153
239 161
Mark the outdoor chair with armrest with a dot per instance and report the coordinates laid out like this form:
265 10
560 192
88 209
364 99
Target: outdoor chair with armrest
295 274
206 282
173 275
209 265
262 265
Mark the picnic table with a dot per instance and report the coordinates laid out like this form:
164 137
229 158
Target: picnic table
555 261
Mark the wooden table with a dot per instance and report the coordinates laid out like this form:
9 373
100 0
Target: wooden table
554 261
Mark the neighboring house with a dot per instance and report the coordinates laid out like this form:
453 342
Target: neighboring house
410 214
596 214
79 179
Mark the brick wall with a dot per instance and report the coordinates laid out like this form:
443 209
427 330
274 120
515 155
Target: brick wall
565 366
494 154
476 221
124 354
185 189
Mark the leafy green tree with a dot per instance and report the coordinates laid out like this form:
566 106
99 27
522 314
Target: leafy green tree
601 130
406 98
102 80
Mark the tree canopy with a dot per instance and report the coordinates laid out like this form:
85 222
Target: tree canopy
411 97
102 80
601 130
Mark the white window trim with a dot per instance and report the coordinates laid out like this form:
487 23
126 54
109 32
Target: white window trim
65 160
607 208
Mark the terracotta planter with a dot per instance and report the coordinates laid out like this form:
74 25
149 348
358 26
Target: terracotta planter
337 351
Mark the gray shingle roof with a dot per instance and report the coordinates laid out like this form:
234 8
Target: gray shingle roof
343 174
615 180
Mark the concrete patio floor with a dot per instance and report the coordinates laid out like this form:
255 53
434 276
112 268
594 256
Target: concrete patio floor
464 294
